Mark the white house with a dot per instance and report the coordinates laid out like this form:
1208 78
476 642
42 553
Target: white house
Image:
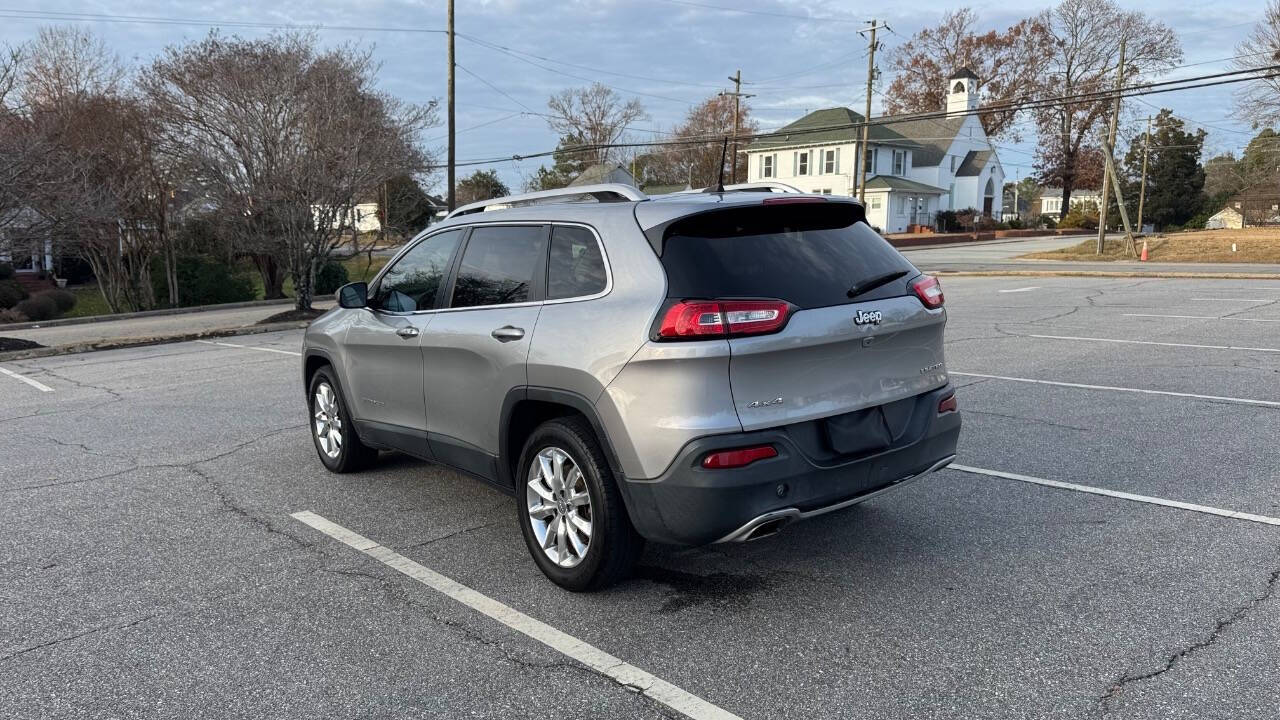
1051 199
1227 217
914 167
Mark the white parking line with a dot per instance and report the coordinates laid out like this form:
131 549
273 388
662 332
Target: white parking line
251 347
1083 386
1152 342
1232 514
1252 300
1022 289
648 685
37 385
1200 317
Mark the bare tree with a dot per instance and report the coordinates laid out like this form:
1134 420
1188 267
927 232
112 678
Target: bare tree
1086 46
597 116
1258 102
66 62
700 164
287 138
1007 63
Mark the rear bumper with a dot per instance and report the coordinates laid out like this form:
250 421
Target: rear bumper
690 505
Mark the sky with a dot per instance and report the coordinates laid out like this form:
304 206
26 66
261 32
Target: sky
670 54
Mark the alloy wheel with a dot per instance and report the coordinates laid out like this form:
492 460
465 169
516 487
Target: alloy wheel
559 507
328 421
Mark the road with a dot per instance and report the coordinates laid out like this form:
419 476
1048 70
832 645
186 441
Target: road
151 566
1002 255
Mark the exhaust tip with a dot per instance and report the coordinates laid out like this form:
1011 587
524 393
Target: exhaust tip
767 529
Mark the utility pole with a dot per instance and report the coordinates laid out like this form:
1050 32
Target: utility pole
737 95
1142 194
1110 143
1124 212
452 150
866 127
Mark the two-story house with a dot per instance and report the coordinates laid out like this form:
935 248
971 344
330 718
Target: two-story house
915 167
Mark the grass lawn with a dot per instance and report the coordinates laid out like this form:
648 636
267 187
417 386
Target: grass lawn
88 302
1253 245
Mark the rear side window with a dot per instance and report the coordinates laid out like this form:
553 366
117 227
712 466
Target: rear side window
411 284
499 265
809 254
575 267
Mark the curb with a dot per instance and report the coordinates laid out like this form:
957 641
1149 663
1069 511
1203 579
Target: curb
144 341
144 314
1109 273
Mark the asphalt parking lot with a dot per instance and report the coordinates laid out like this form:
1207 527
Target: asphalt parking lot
151 566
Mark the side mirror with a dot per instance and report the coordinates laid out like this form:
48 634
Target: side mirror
353 295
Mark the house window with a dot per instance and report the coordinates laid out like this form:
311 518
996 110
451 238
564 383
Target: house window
899 162
871 161
831 161
951 196
766 166
953 163
875 202
800 163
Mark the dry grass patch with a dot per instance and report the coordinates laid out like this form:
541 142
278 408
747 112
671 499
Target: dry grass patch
1253 245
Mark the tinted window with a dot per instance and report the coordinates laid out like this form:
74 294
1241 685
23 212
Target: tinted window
411 283
807 254
499 265
575 268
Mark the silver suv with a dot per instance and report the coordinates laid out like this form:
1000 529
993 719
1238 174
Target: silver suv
687 369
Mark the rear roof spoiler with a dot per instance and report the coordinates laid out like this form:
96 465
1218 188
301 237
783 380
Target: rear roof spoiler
603 192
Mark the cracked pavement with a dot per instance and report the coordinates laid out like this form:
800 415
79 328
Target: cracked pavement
149 566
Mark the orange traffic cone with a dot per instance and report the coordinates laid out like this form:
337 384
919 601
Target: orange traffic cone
1144 251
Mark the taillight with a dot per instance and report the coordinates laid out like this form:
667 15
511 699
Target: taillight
929 290
948 404
739 457
700 319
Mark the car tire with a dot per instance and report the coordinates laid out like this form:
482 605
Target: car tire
612 544
332 430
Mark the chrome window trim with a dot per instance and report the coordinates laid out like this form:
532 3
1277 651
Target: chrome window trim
604 255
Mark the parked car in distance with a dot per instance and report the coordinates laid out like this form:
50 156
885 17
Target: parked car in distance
686 369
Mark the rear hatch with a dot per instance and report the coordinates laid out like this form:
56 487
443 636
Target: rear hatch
855 332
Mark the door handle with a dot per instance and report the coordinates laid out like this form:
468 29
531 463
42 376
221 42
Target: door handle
506 333
407 332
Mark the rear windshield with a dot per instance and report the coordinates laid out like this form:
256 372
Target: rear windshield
808 254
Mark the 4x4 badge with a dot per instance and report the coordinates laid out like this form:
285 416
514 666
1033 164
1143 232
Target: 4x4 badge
867 317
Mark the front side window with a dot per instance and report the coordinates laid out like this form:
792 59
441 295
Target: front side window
831 161
499 265
899 162
802 163
412 282
766 166
871 162
575 267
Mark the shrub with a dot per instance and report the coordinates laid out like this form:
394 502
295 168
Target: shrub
1015 223
38 307
6 271
1048 221
75 270
63 299
947 221
11 293
331 277
11 316
203 281
1082 215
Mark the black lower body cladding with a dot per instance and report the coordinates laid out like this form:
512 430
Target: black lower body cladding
692 505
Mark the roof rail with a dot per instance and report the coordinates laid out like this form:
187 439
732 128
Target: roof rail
764 186
603 192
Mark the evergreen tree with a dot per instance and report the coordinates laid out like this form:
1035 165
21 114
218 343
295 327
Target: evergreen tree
1175 177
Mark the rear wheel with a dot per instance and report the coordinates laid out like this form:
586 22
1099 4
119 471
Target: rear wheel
332 428
571 513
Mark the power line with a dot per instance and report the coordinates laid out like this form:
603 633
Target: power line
14 14
765 13
1211 80
495 88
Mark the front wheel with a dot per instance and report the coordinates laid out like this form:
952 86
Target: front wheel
332 428
571 513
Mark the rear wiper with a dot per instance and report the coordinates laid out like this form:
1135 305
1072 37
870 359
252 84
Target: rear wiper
867 286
